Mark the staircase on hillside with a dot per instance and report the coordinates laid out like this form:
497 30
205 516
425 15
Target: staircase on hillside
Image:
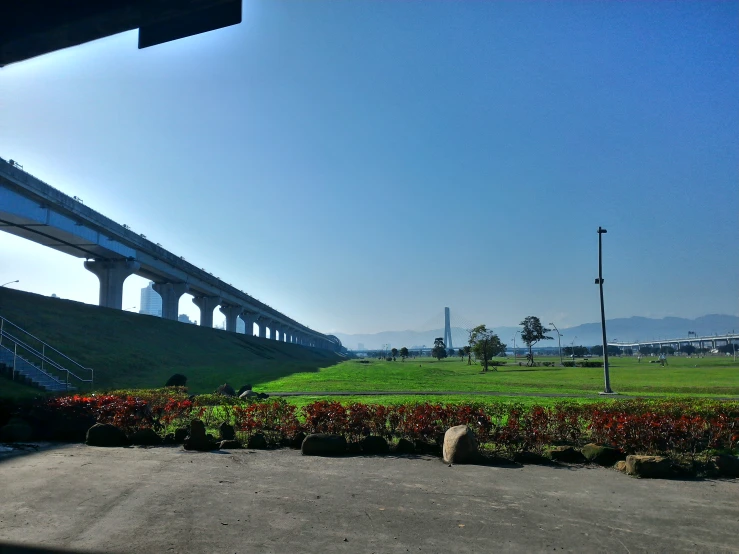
26 358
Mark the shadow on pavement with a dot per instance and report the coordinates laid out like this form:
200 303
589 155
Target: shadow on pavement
12 451
17 548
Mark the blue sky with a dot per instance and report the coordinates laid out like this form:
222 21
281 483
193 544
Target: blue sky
361 165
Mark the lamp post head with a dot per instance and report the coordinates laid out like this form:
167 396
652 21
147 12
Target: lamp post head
601 230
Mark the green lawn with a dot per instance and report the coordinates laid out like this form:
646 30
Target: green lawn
716 376
129 350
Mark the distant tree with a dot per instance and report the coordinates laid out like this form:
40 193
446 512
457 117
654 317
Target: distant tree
667 350
460 352
628 351
439 349
468 353
689 349
403 353
450 353
578 351
394 352
485 344
726 349
533 331
644 350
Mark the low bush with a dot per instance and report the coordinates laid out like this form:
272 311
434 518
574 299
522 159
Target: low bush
677 426
588 363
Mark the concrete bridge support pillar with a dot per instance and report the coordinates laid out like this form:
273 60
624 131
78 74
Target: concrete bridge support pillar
232 313
249 320
262 327
112 274
206 304
171 293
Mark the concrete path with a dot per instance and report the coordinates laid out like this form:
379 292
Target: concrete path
169 500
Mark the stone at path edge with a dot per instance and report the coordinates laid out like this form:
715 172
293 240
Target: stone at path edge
460 445
321 444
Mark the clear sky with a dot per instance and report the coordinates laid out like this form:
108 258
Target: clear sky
360 165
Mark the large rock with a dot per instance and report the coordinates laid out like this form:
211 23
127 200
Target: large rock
566 454
727 465
243 389
248 394
323 445
197 439
146 437
177 380
405 446
257 441
105 434
602 455
460 446
226 432
655 467
226 390
229 445
16 430
374 445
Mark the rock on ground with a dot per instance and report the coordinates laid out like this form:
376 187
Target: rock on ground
375 445
405 446
226 432
460 446
146 437
197 439
727 465
226 390
566 454
257 441
105 434
321 444
655 467
177 380
602 455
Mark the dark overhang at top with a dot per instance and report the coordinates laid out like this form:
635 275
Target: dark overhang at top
30 28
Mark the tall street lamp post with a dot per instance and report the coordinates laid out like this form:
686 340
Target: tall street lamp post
559 342
599 282
10 282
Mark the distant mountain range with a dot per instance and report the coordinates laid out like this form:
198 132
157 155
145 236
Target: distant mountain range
588 334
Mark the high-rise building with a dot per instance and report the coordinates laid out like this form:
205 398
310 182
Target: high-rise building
151 302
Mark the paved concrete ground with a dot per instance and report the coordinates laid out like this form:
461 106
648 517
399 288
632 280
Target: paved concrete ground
169 500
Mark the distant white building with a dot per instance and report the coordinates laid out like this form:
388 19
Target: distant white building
184 319
151 302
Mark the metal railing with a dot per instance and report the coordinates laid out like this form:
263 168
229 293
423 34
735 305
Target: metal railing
40 356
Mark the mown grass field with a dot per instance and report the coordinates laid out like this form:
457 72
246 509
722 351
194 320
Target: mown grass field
131 351
712 376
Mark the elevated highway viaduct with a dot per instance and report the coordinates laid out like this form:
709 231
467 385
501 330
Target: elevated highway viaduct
34 210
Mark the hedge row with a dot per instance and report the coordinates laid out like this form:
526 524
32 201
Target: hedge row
634 426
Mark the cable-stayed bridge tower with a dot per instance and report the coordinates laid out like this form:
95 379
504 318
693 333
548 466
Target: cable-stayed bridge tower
447 329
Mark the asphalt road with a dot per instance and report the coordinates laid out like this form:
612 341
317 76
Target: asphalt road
168 500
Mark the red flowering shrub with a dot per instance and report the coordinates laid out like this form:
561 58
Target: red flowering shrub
275 419
634 426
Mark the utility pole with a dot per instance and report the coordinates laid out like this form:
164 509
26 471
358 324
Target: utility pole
599 282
